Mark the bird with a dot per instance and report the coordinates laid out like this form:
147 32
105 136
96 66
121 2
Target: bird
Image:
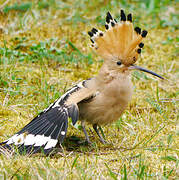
99 100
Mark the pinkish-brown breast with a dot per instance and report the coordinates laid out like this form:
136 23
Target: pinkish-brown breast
110 101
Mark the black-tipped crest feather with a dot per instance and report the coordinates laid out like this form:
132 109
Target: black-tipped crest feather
108 17
144 33
123 16
138 30
129 17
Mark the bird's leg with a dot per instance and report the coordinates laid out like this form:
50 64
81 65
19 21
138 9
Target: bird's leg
97 131
84 130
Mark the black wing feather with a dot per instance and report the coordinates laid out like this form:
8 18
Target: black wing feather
34 149
51 124
48 128
73 113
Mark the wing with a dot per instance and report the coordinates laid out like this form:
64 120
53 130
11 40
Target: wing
49 127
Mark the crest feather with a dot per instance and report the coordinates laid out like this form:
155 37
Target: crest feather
120 41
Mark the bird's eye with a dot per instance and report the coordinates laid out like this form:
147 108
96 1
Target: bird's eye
119 63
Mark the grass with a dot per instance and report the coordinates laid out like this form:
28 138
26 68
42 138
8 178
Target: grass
44 50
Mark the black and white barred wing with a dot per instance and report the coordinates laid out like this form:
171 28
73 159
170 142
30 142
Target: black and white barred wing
42 133
50 127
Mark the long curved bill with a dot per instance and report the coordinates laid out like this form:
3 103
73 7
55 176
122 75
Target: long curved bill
145 70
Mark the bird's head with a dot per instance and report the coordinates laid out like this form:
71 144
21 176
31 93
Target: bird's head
120 44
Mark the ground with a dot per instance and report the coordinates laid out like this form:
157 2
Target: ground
45 49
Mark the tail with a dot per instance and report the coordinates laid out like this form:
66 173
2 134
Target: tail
120 40
43 132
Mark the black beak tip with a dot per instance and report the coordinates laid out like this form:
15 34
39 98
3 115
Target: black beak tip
148 71
161 77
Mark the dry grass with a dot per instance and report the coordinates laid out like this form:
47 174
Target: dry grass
38 62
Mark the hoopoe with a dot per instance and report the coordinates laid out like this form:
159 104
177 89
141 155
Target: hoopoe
99 100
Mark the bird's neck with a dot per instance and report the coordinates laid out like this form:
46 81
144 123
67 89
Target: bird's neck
108 74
